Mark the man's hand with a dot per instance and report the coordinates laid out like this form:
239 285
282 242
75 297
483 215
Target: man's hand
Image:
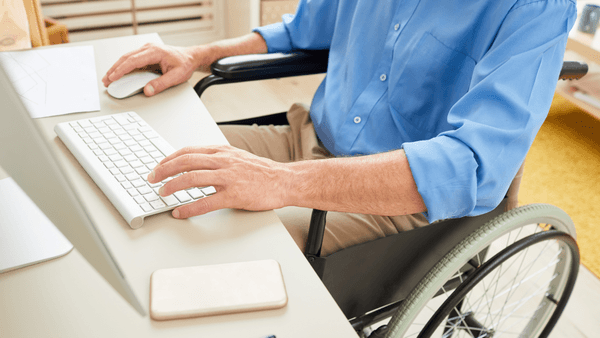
242 180
177 65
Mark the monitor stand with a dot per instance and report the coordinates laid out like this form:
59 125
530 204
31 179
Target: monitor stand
26 235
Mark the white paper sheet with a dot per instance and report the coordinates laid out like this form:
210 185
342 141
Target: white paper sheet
54 81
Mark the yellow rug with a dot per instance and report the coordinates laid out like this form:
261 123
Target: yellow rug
563 169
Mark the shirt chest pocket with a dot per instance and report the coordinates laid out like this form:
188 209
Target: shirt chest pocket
424 86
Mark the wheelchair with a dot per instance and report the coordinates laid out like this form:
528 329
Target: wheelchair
504 273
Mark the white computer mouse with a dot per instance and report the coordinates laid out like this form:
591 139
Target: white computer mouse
130 84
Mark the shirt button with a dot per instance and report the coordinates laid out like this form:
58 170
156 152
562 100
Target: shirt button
383 77
357 119
397 26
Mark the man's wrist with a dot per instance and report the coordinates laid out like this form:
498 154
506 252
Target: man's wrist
203 56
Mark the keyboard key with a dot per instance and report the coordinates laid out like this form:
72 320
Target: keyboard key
85 123
98 152
103 129
135 163
115 171
150 148
120 146
93 146
151 197
170 200
88 140
94 134
103 158
115 157
182 196
124 152
121 119
119 131
139 199
130 157
195 193
126 170
120 164
132 176
158 204
154 185
113 140
140 183
142 170
109 165
109 152
144 190
139 137
146 207
147 160
208 190
145 143
130 143
127 185
120 178
126 137
156 154
90 128
135 148
110 122
105 145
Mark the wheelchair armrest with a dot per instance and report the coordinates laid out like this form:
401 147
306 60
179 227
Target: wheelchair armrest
572 70
264 66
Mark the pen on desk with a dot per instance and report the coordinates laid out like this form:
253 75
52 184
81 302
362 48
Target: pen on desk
271 336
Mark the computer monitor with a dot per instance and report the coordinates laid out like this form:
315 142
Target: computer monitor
28 159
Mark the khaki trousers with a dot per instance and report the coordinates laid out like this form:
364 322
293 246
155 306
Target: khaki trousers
298 142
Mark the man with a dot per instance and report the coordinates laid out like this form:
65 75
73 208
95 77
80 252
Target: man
441 100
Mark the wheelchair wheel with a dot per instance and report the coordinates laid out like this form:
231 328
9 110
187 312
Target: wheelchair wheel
527 262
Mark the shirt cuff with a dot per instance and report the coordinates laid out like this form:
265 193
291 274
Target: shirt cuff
276 37
444 170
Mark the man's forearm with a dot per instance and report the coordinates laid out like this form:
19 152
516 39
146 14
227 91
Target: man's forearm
380 184
252 43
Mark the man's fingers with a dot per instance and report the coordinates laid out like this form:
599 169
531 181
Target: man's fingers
106 79
201 206
191 150
167 80
139 60
198 178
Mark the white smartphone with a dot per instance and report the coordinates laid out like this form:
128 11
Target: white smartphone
216 289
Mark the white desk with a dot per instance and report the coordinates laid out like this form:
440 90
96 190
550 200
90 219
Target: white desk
65 297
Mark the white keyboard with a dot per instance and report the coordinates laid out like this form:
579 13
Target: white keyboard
118 152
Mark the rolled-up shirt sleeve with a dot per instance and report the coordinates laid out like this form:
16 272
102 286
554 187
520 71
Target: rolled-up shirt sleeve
467 170
310 28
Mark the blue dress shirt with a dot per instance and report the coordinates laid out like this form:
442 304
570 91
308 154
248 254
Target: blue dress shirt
462 86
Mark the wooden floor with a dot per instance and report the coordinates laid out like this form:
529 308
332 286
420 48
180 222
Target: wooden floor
238 101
